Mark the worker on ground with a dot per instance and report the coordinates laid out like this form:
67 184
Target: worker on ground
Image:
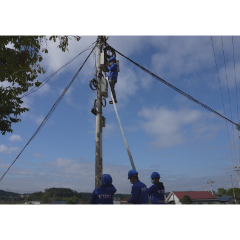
112 77
139 189
104 194
157 190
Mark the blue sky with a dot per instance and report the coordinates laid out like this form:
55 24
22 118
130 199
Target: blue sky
166 132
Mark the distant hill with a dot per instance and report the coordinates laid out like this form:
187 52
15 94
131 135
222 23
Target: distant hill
4 193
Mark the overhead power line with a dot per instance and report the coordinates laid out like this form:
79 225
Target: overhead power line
236 94
34 89
229 98
50 112
175 88
222 100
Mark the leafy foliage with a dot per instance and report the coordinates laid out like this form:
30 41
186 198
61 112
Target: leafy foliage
60 194
222 191
236 190
19 68
72 200
186 200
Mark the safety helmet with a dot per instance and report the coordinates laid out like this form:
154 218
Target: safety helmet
112 58
131 173
106 179
155 175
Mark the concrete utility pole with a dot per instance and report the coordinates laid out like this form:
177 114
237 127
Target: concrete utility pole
205 188
237 170
98 150
233 191
210 182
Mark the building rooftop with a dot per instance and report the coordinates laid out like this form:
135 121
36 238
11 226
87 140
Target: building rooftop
224 198
195 195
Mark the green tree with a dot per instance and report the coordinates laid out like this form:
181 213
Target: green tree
45 198
222 191
186 200
236 190
72 200
18 198
20 67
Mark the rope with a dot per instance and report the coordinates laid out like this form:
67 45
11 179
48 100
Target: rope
126 144
175 88
50 112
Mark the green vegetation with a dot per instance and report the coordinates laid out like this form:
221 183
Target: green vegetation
229 192
20 67
7 194
186 200
59 194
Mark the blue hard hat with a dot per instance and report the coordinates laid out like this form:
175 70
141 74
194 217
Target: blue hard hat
155 175
106 179
131 173
111 58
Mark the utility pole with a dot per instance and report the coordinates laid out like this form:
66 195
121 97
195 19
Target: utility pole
205 188
233 191
98 150
237 170
210 182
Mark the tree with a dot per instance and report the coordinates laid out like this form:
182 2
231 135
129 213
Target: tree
236 191
222 191
186 200
26 199
18 198
20 67
72 200
45 198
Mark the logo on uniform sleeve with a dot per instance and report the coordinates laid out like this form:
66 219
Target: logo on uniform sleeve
144 189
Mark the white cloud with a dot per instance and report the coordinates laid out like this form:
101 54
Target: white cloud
15 137
79 175
171 128
181 55
4 149
38 119
43 90
37 155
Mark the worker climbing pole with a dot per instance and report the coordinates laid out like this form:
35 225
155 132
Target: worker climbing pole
105 56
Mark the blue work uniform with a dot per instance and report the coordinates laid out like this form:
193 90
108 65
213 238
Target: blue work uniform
103 195
156 192
113 72
139 193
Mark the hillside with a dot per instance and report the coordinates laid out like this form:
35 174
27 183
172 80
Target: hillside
4 193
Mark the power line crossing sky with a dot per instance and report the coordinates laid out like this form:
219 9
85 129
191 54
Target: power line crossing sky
166 132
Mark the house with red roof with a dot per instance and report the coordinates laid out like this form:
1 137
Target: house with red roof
198 197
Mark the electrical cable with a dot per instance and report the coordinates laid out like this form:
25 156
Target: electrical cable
229 99
34 89
175 88
93 84
236 94
50 112
222 99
